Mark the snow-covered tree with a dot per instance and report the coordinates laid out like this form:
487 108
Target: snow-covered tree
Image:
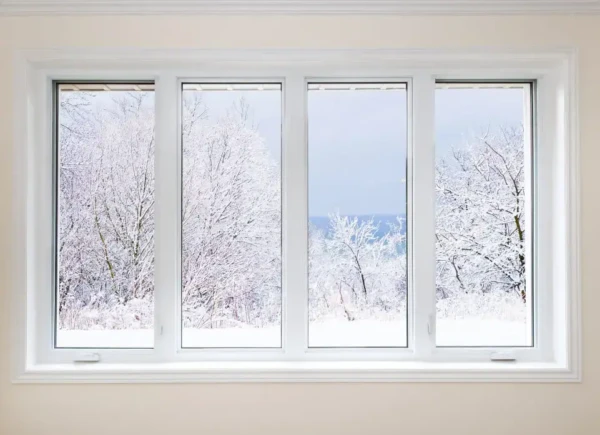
481 213
231 223
355 272
106 243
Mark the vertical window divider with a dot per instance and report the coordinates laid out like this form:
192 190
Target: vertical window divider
167 216
422 213
295 218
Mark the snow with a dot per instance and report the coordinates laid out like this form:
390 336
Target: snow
367 333
115 338
332 333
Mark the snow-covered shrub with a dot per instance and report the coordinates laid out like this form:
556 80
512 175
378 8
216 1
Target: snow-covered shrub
506 306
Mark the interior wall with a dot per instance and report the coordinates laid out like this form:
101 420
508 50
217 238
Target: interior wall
392 408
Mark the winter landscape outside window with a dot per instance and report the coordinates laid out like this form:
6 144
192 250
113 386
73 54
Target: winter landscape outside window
483 214
358 274
104 243
231 215
231 291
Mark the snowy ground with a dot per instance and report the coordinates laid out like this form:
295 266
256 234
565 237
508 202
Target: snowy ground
450 332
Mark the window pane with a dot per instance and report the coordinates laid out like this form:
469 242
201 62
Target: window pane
105 222
483 211
231 215
357 215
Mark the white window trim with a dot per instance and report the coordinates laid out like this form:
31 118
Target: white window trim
556 356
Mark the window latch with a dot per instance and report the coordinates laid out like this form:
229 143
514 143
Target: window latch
503 357
430 323
87 357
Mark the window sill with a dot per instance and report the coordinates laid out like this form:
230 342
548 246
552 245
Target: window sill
299 371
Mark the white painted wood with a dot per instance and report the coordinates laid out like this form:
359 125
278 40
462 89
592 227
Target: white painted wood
295 218
254 7
488 371
22 342
422 236
167 218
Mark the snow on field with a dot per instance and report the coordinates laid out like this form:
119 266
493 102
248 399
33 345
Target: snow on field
450 332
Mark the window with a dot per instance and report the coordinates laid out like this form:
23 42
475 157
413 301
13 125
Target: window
284 218
357 214
483 214
231 215
104 215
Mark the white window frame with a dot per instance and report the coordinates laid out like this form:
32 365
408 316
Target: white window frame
556 353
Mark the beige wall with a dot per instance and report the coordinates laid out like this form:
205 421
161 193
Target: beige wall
419 409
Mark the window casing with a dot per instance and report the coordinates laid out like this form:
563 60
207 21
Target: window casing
554 353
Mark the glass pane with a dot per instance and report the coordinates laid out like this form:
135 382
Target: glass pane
483 213
357 215
231 215
105 222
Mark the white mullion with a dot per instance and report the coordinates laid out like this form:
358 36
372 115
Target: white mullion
167 214
295 215
423 213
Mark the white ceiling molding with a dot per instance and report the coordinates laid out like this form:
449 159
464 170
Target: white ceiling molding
232 7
